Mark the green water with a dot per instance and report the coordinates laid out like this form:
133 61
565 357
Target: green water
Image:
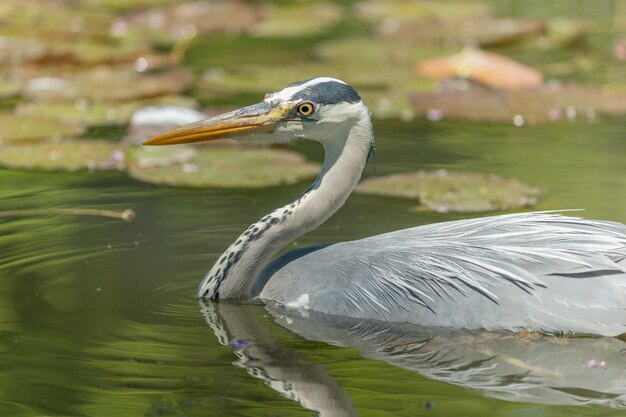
98 315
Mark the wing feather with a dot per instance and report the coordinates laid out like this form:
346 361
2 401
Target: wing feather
539 271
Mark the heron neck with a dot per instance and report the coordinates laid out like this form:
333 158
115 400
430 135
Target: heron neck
236 270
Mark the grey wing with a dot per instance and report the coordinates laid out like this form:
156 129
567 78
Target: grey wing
535 271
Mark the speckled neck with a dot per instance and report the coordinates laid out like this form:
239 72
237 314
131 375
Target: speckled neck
235 271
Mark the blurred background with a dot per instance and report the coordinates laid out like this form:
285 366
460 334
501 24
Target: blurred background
478 107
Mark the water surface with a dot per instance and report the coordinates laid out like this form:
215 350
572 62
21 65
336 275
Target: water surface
98 315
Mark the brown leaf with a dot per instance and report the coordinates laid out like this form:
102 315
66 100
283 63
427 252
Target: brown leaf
490 69
465 100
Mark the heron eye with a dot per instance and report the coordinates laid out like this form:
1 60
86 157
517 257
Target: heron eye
305 108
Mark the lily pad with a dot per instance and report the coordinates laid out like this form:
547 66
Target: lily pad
287 19
490 69
15 51
9 87
263 79
107 84
377 10
465 100
390 104
380 52
443 191
63 156
185 20
96 113
66 33
227 168
15 127
20 49
54 20
130 5
91 52
562 32
253 79
385 92
481 31
160 156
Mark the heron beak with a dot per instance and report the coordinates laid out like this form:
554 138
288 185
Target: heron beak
247 121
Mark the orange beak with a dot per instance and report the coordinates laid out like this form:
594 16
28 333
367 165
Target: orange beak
247 121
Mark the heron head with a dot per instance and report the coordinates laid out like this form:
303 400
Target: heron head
312 109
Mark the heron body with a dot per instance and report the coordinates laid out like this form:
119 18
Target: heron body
531 271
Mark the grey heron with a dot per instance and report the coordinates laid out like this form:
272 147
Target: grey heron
538 271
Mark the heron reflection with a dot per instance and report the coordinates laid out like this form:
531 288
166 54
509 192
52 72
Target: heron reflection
531 367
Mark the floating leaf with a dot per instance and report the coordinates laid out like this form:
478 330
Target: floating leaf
15 51
15 127
562 32
91 52
445 23
254 79
460 99
63 156
9 87
385 92
47 20
394 10
49 53
227 168
287 19
263 79
392 55
444 191
490 69
95 114
107 84
390 104
91 114
24 47
49 79
130 5
483 31
163 156
185 20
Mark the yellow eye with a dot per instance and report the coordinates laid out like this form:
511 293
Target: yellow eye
305 108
